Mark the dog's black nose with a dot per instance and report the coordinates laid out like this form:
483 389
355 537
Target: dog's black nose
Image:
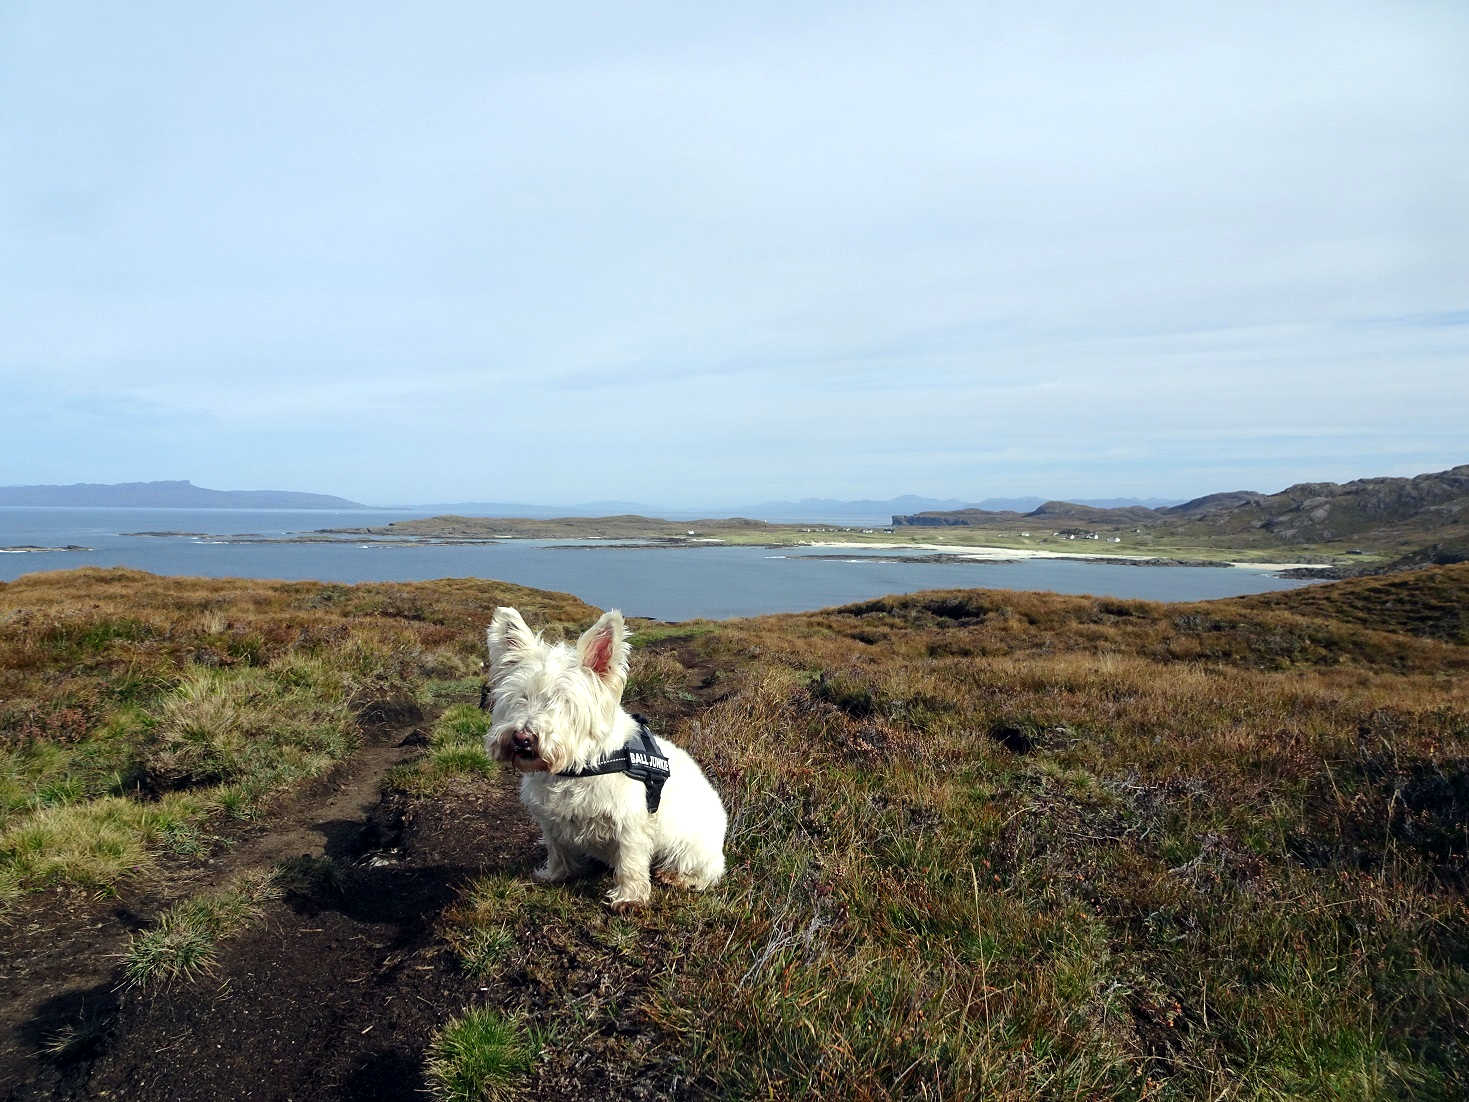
522 740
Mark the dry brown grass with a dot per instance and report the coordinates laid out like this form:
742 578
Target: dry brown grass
134 709
1011 845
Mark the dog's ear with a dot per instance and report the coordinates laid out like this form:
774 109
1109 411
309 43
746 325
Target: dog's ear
603 649
508 638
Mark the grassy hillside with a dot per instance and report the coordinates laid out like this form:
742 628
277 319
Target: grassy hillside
984 844
135 710
1384 517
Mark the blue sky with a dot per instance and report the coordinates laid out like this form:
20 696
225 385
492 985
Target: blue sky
566 252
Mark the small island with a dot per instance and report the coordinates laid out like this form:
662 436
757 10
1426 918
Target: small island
952 544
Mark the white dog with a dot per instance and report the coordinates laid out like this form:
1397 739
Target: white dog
592 776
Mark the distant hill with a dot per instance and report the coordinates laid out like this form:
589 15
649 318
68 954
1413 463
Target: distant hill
1214 504
823 510
1079 512
838 510
1027 504
811 507
167 495
525 510
1381 513
1063 514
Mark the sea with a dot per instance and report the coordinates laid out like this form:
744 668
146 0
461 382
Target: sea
677 583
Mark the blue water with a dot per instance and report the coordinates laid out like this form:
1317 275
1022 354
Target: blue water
668 584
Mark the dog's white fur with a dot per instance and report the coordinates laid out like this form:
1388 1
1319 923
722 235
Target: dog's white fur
566 702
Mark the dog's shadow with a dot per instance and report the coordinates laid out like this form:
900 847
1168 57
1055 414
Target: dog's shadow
404 897
385 1075
367 876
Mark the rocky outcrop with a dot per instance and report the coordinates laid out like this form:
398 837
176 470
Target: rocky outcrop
1322 511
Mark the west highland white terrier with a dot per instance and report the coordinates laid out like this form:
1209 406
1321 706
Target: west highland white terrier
600 785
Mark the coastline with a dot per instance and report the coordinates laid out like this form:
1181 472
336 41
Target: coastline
950 552
985 553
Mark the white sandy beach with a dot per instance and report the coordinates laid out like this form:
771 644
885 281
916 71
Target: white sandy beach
982 553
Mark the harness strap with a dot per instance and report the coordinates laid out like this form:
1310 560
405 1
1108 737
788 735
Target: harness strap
639 758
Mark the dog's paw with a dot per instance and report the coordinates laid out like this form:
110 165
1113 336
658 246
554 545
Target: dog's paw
674 879
627 898
547 875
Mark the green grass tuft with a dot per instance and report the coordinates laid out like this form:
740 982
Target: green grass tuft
478 1057
460 725
183 944
483 948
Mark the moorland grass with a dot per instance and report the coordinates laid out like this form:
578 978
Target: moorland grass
92 842
136 710
1227 859
982 844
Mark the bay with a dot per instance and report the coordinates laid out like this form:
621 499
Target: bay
713 582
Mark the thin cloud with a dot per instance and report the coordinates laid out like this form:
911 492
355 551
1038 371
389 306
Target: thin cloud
1054 247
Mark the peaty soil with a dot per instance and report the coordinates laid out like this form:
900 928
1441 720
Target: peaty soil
334 994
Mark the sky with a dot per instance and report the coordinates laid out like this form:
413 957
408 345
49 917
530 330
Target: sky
674 253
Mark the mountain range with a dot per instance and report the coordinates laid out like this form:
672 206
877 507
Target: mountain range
183 494
1385 512
166 495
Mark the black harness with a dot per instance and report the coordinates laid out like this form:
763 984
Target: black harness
639 759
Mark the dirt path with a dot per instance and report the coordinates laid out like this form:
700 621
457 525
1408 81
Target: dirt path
347 959
337 994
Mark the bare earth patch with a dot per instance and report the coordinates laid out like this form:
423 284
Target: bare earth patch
302 985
